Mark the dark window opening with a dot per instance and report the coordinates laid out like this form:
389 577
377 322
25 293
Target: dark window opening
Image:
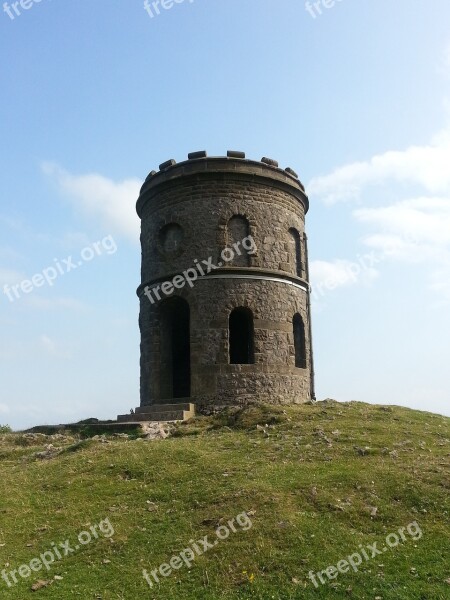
175 349
297 242
299 342
241 337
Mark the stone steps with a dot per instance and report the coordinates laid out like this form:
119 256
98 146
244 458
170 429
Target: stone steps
160 412
187 406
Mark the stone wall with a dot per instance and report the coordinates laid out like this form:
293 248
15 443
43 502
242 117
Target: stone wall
188 214
203 210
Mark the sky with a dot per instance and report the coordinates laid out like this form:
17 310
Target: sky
354 96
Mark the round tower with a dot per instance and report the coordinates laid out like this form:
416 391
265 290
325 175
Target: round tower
224 300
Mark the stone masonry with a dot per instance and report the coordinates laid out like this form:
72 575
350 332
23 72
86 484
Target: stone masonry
242 332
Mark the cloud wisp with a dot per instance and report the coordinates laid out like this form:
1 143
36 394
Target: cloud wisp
415 227
425 166
96 196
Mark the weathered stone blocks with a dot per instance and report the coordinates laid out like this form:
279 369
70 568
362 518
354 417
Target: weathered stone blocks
191 212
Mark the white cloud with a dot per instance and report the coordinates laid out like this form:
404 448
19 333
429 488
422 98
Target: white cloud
74 240
327 276
52 348
410 229
425 219
10 277
337 271
415 230
35 349
101 198
47 344
440 283
426 166
9 254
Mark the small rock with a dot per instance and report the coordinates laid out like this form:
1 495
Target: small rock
336 507
39 585
155 431
362 451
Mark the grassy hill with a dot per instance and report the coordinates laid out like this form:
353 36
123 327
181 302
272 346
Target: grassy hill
317 483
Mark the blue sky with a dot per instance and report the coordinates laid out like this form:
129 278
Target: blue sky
94 95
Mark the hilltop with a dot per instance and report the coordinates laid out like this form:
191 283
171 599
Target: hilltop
318 483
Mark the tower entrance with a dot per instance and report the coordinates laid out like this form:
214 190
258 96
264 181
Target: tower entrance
175 353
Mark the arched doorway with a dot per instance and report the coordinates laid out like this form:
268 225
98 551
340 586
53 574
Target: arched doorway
241 334
175 349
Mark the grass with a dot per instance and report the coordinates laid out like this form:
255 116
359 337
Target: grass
318 481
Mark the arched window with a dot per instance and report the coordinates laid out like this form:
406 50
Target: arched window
305 246
238 229
241 337
299 341
297 250
175 349
171 238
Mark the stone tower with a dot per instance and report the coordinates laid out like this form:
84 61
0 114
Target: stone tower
225 300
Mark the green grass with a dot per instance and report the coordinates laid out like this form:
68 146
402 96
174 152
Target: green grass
311 481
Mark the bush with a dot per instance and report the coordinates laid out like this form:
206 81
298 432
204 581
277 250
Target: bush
5 429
